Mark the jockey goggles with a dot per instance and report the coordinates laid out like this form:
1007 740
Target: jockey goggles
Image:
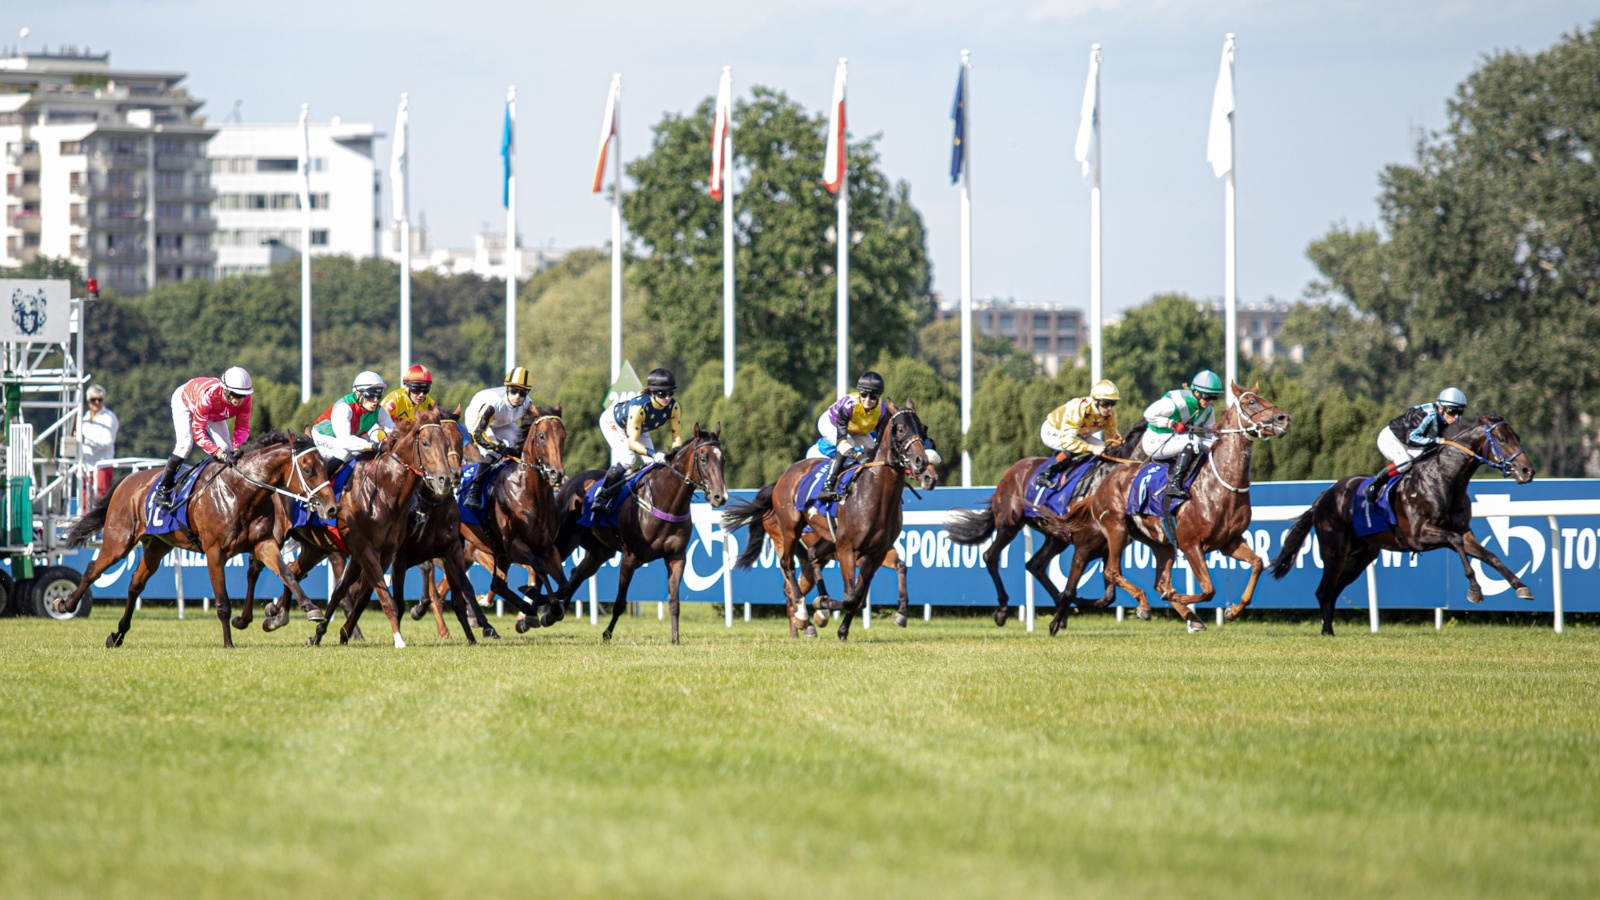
1106 404
419 387
370 394
662 395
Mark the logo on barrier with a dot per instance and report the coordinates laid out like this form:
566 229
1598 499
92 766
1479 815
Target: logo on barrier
1504 532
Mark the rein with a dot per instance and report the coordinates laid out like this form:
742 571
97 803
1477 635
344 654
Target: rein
299 475
694 467
1500 461
547 471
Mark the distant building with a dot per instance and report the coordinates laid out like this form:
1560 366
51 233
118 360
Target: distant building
1259 324
486 258
1053 334
104 167
255 169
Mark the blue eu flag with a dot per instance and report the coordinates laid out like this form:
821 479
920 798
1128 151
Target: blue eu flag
958 112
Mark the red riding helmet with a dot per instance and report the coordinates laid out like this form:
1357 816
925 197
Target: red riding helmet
417 374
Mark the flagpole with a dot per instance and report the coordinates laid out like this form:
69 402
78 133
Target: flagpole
966 267
1096 297
727 248
513 264
1230 300
616 235
305 254
842 232
405 237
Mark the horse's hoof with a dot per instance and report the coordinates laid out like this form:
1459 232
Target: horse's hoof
1056 624
489 632
843 635
818 619
113 640
1196 626
399 642
269 624
1233 613
418 611
900 619
1103 602
316 615
1475 594
61 606
312 641
1524 593
811 630
1000 617
241 623
606 635
522 626
552 614
1143 612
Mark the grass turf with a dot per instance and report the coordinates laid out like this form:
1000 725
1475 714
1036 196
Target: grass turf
948 759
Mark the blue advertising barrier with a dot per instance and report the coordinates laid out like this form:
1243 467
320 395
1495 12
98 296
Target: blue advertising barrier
1510 519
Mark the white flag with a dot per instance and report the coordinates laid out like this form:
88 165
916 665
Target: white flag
305 156
1219 146
397 157
1089 118
833 159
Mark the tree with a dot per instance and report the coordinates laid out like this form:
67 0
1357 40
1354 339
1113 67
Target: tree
939 345
766 424
784 261
1161 345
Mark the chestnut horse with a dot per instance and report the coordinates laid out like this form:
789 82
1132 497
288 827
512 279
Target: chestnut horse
1214 518
230 512
653 524
1430 504
867 525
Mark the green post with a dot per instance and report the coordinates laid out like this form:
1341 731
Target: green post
18 491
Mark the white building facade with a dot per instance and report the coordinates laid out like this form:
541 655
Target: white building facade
255 173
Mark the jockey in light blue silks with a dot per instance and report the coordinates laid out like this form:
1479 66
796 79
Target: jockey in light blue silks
1413 431
1181 428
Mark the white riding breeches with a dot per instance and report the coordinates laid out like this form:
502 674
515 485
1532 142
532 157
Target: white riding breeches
1165 446
182 421
1395 450
332 447
618 439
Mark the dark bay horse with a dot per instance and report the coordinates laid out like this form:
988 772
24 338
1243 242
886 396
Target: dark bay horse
867 525
1005 515
1214 518
653 523
1430 504
521 522
230 511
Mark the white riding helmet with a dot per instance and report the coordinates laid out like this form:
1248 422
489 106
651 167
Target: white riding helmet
237 381
368 381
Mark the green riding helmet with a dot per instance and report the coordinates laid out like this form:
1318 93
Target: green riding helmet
1207 382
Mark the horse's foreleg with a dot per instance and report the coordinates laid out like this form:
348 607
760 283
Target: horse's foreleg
252 572
425 602
1113 569
219 589
455 573
892 558
674 578
1477 550
1208 589
624 577
1457 542
1002 538
793 599
1244 553
857 598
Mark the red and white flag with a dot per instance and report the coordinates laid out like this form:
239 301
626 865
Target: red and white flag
719 132
833 160
608 130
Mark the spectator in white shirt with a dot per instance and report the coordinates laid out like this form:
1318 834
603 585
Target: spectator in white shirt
97 436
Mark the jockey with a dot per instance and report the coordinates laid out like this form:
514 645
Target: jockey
355 423
200 412
411 397
1069 431
1413 431
627 427
851 429
492 419
1181 424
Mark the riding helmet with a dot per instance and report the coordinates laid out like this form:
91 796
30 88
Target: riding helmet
237 381
1207 382
520 379
1104 390
660 380
1452 398
870 383
417 374
368 382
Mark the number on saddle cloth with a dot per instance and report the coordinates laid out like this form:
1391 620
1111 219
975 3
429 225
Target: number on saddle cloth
805 493
158 521
1055 499
1149 488
1367 520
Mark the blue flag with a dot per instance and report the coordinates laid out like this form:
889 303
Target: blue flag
958 112
507 153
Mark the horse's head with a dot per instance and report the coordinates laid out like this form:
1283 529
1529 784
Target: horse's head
1258 417
455 440
282 460
426 448
1497 444
705 464
907 440
545 444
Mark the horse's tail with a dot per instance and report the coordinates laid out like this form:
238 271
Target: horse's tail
752 552
741 514
92 522
1284 561
971 526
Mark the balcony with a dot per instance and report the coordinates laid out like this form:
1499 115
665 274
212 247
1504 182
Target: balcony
190 194
130 285
183 162
189 256
110 191
26 161
24 191
25 221
204 225
126 255
139 161
117 223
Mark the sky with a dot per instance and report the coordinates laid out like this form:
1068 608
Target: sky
1328 94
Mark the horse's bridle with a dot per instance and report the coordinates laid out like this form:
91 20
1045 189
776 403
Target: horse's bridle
542 468
901 452
294 463
1252 430
419 469
694 467
1500 461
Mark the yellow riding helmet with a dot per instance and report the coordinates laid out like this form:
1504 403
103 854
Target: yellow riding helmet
519 378
1104 390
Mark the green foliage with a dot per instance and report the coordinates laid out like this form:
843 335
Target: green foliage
939 345
582 398
1000 433
1160 346
784 265
938 405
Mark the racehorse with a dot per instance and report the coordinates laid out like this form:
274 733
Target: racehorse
1431 507
520 519
1005 515
867 524
230 512
1213 518
653 524
374 514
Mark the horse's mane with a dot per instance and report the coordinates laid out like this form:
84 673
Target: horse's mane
706 436
274 437
525 424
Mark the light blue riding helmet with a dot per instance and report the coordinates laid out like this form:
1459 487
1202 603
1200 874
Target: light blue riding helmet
1452 398
1208 382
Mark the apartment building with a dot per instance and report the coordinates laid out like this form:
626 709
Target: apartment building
1052 333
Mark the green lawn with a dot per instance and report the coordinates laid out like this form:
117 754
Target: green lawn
948 759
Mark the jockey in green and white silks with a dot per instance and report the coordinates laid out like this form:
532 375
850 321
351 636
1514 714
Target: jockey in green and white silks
1181 428
355 423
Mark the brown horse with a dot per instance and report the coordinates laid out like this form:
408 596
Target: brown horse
868 520
655 525
521 522
1431 507
1006 514
1214 518
374 514
230 512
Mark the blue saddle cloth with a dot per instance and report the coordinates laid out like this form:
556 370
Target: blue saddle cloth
592 519
470 472
300 514
1368 519
805 493
1053 500
1145 496
158 521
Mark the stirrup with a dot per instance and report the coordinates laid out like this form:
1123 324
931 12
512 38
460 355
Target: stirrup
164 499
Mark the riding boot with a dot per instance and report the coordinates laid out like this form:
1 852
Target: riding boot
607 495
830 485
480 483
1378 481
1178 472
334 465
168 478
1061 463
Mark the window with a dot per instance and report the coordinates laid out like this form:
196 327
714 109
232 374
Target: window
121 145
319 237
169 210
169 180
74 148
1041 323
1008 324
277 165
1041 343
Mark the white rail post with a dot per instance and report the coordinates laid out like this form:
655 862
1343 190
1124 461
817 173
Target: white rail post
1372 595
927 612
747 611
177 580
594 600
1027 577
1438 618
1555 573
205 599
728 542
866 609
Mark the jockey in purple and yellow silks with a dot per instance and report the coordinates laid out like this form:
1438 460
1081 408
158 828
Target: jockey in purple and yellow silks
851 429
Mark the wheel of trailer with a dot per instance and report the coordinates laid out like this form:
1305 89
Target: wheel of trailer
53 583
8 595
